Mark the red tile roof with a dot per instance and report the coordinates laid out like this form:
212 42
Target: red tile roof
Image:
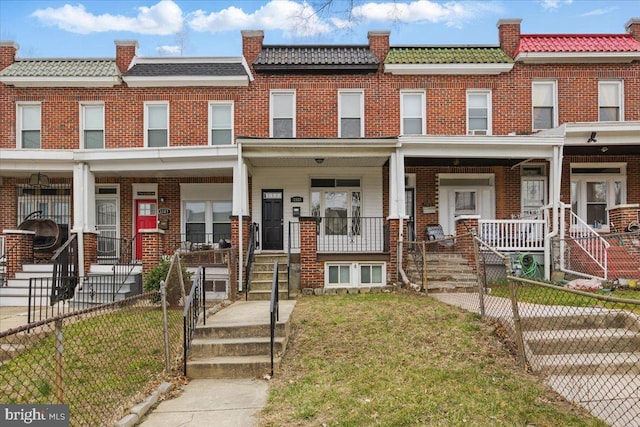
577 43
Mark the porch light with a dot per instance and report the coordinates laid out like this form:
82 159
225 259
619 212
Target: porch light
604 149
38 180
319 161
592 138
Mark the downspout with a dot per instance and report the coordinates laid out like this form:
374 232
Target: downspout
400 191
556 176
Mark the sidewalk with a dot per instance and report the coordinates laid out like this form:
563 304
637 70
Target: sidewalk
212 402
12 317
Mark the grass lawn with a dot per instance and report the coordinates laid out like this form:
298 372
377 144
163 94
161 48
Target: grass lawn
404 360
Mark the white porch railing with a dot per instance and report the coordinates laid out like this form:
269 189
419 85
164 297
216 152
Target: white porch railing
3 247
594 246
513 234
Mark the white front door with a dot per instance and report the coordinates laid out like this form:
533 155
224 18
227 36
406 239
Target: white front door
463 194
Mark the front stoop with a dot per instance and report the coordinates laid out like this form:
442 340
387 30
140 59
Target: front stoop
235 343
446 272
262 277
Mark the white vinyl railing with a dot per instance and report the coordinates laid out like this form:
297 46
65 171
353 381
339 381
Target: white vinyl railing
586 238
3 247
513 234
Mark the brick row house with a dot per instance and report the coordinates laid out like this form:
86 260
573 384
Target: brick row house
328 154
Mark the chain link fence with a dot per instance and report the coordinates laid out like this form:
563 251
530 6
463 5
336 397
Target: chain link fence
579 333
100 361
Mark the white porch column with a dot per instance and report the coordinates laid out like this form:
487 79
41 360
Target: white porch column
555 178
84 207
240 206
396 185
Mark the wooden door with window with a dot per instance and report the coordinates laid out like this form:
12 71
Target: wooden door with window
146 217
272 217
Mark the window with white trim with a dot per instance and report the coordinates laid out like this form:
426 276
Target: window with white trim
220 123
544 100
351 114
29 125
412 113
339 274
610 95
479 112
283 114
596 187
207 221
355 274
339 203
156 124
92 125
371 274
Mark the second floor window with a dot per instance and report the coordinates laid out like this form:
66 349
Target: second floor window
221 123
478 112
544 105
283 107
29 125
157 124
610 101
412 113
92 126
351 113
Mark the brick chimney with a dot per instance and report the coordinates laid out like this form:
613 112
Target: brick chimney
126 50
8 52
379 44
251 45
509 35
633 28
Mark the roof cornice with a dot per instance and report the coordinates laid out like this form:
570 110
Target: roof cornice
457 69
61 81
576 57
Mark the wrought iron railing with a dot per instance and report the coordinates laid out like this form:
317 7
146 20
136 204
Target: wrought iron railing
65 271
274 310
352 234
248 263
193 306
195 241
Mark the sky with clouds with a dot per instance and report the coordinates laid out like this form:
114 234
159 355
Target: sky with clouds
87 28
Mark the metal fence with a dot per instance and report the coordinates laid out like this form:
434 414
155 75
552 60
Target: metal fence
99 360
581 335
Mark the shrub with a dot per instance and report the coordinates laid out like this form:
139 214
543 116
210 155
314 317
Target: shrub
159 273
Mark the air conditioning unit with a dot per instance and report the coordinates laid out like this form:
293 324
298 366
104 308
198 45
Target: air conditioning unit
477 132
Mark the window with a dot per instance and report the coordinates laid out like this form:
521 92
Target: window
207 221
596 188
156 124
544 101
283 107
92 123
221 123
29 126
465 202
610 101
354 274
340 205
478 112
413 113
351 113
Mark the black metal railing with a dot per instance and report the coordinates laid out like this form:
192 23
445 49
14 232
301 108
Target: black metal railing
274 310
114 250
248 263
196 241
351 234
65 271
193 305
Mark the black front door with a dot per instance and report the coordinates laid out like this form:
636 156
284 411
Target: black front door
272 219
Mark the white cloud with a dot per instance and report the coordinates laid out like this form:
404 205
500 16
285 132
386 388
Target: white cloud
166 50
554 4
599 12
293 18
162 18
451 13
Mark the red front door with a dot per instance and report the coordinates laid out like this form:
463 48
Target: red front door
146 217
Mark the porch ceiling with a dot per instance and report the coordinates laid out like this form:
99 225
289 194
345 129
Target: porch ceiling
460 162
317 162
602 150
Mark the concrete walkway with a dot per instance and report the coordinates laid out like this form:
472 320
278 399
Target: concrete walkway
12 317
216 402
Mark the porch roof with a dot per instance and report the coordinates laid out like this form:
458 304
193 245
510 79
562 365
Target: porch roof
597 135
317 152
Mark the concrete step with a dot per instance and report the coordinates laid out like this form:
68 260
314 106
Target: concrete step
203 348
265 285
443 287
239 330
265 295
587 363
598 319
614 340
38 268
231 367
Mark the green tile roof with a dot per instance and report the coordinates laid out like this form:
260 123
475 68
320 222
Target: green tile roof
62 68
447 55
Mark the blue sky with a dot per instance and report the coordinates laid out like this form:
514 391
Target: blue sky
87 28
